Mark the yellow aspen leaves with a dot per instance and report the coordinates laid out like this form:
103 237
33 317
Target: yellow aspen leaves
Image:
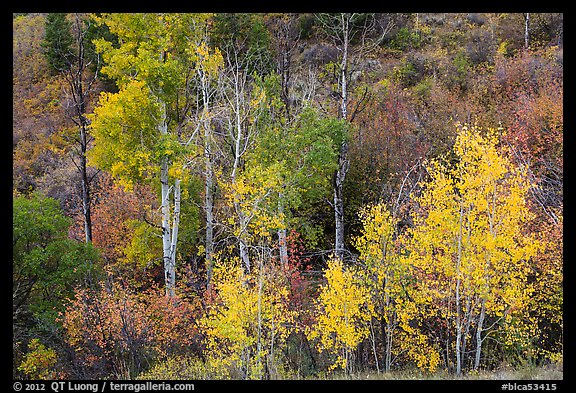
469 242
247 322
344 313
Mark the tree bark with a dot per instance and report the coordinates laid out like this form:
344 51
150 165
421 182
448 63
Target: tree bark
479 335
282 238
526 30
171 283
458 295
167 240
209 207
86 211
339 178
343 162
79 90
238 147
209 183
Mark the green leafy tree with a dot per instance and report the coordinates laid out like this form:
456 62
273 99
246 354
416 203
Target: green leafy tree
46 266
58 41
144 131
299 152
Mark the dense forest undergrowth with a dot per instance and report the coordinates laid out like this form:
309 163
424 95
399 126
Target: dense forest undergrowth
288 196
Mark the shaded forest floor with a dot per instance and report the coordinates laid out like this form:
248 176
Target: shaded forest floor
547 372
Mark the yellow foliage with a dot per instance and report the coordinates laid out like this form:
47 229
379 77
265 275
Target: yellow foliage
344 313
469 245
387 276
248 321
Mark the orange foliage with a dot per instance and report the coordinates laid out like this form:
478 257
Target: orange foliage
116 332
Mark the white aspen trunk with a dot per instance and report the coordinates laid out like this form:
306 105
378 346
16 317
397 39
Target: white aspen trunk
244 255
526 30
209 183
237 153
458 345
344 66
458 282
389 338
209 206
171 277
259 335
479 335
165 195
373 340
343 153
282 241
166 239
339 202
388 346
492 228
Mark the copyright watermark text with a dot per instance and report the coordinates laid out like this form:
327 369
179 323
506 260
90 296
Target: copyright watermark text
528 386
100 386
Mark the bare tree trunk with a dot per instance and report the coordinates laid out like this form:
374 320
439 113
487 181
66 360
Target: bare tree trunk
458 295
209 182
238 151
167 240
343 163
468 321
526 29
244 255
79 89
282 240
171 283
86 211
458 344
389 338
388 345
373 340
259 332
479 335
209 206
339 201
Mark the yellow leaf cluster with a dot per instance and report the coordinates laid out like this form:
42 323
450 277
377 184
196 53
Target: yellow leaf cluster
470 244
344 313
248 319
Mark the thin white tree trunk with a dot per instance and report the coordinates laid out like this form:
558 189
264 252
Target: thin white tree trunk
526 30
343 153
282 240
479 335
458 295
166 238
237 155
259 333
171 277
209 183
209 206
373 341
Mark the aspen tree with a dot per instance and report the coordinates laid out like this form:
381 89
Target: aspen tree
143 132
468 242
396 303
343 315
